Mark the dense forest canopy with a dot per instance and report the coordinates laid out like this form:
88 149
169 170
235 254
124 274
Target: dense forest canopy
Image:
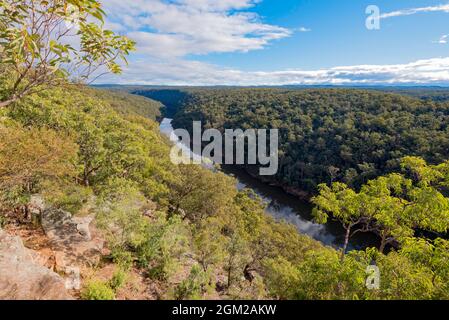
328 135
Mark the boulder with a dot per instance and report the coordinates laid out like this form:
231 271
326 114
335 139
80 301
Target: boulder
74 240
23 279
36 205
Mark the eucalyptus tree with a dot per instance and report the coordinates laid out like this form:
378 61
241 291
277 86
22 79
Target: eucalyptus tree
45 42
388 209
344 204
393 206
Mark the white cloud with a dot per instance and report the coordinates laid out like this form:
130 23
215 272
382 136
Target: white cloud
409 12
443 39
182 72
182 27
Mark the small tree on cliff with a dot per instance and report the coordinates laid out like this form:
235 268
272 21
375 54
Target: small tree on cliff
44 42
344 204
393 206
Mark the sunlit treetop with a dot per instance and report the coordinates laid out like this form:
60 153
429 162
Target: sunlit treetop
43 43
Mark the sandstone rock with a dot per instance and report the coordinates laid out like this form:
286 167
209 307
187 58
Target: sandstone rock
41 259
83 226
36 205
22 279
56 222
74 240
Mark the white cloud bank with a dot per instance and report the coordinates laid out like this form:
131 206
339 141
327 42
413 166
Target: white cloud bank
182 72
168 31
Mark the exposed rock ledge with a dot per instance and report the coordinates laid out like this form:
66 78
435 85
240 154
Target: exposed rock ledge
21 278
75 241
74 245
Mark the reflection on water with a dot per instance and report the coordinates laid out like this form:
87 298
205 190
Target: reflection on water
281 205
280 209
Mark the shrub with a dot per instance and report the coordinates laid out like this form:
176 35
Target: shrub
194 286
121 257
118 279
30 156
70 197
98 290
166 241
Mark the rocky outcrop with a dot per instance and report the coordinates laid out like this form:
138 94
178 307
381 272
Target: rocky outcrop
74 240
72 245
21 278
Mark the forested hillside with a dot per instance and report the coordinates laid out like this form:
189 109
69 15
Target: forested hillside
104 159
329 135
187 229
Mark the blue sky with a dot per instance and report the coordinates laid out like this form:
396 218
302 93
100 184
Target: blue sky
257 42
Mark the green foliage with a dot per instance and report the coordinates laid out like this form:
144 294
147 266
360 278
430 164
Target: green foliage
129 105
106 156
237 257
321 276
344 204
324 276
109 145
196 284
34 45
120 217
165 242
105 290
432 256
122 257
118 279
29 157
68 197
209 242
199 193
393 206
97 290
282 278
403 280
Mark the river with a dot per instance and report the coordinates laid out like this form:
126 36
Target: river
281 205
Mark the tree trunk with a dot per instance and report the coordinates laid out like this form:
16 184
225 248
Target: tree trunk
229 277
6 103
345 246
86 181
383 243
86 177
230 267
203 265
